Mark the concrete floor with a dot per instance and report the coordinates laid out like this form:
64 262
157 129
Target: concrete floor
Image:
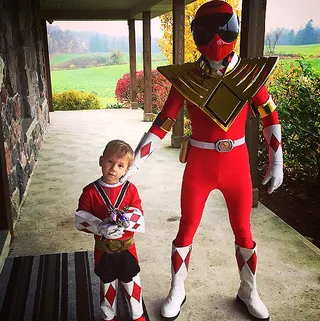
289 265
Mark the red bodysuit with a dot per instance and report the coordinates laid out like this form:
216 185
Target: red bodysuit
217 87
207 170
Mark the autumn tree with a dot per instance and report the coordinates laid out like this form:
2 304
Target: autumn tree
191 52
66 41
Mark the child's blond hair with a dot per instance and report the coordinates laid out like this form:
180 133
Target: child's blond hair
120 149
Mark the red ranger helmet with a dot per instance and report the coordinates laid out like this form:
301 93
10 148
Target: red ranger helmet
215 29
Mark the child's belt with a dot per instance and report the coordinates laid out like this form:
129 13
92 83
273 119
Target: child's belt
113 246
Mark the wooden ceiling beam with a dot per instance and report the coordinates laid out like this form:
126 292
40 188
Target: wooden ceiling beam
58 12
85 14
144 6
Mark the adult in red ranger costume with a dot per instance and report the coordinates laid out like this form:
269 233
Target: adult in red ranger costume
218 89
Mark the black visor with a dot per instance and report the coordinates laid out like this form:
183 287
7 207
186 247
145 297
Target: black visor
224 24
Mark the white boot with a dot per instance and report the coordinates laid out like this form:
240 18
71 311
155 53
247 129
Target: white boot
109 300
247 293
134 296
179 269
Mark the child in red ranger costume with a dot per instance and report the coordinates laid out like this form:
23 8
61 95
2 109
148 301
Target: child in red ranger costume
112 211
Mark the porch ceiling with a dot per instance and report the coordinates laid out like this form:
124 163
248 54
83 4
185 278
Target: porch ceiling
103 9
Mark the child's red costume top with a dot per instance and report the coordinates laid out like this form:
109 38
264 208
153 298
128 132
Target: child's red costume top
91 202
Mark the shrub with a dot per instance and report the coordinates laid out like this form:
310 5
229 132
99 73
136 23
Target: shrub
296 91
83 62
160 90
116 57
115 105
75 100
122 91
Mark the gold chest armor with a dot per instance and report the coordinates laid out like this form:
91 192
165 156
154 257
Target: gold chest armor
220 97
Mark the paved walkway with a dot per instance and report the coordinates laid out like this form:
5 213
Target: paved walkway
289 265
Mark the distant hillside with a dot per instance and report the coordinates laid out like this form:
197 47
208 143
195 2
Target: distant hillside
67 42
87 60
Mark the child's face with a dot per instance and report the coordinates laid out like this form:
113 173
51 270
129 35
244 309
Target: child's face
113 168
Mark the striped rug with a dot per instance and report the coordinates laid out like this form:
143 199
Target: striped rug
54 287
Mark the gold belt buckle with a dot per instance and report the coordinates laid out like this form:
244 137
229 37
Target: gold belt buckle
224 145
115 245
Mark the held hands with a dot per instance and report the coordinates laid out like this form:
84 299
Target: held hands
148 143
110 231
275 173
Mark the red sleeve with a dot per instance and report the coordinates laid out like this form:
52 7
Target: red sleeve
260 98
170 109
271 119
135 198
85 203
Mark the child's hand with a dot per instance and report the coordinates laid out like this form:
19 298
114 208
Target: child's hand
111 232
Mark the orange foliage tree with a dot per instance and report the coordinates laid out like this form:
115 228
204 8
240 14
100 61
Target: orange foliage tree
191 52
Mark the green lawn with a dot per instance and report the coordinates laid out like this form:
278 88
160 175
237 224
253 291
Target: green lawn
315 62
100 80
60 58
57 59
312 52
103 80
305 50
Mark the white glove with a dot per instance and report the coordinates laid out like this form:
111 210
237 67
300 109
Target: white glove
272 135
148 143
275 173
111 232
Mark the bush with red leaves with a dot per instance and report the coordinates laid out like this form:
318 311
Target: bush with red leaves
160 90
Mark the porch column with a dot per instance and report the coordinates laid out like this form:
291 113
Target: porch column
133 63
251 46
47 64
178 58
147 116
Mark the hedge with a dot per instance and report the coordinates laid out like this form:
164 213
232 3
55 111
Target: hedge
75 100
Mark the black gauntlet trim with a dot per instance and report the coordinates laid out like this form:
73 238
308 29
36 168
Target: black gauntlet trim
164 124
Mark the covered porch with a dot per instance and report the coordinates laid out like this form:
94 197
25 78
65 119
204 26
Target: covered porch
288 264
26 86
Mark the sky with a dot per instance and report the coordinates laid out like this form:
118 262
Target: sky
291 14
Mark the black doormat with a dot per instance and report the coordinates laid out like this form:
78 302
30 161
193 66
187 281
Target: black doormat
54 287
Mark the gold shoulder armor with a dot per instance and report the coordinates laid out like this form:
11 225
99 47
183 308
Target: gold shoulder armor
220 97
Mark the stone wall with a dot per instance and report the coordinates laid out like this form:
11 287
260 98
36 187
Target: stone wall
24 108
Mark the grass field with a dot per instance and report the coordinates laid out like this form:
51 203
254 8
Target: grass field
100 80
315 62
305 50
103 80
58 59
